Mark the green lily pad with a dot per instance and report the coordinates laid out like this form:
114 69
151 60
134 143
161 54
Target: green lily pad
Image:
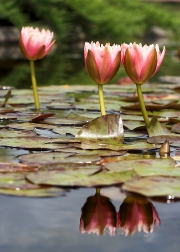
154 186
67 130
155 128
136 146
44 158
13 133
29 126
104 129
142 165
58 157
34 143
56 178
101 153
39 192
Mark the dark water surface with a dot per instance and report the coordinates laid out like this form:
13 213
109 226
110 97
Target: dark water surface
52 224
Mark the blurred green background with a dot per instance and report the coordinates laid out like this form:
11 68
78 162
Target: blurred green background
76 21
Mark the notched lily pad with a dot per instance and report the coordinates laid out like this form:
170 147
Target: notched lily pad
107 129
155 128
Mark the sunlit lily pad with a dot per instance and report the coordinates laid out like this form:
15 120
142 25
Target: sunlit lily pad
104 129
154 186
155 128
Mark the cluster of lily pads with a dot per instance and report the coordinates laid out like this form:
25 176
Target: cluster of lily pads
68 144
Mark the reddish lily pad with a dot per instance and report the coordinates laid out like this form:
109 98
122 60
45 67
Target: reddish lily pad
176 128
12 167
104 129
161 139
154 186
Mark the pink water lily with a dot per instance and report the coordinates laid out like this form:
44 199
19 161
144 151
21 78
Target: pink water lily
34 43
142 62
137 213
98 213
102 62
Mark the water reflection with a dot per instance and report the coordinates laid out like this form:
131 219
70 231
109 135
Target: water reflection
98 213
135 213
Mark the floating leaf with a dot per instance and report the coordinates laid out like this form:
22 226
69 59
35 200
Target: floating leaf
176 128
56 178
40 191
104 129
155 128
141 165
161 139
44 158
154 186
58 157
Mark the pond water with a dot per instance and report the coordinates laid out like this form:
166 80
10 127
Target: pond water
52 224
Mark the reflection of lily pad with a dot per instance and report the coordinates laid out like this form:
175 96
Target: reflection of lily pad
154 186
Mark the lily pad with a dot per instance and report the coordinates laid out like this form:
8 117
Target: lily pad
142 166
104 129
155 128
154 186
29 143
176 128
39 192
58 157
56 178
44 158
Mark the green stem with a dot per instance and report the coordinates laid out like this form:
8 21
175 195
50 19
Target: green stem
143 108
98 191
101 99
33 78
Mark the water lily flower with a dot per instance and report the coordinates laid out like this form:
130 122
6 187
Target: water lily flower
102 63
142 62
98 213
137 213
34 43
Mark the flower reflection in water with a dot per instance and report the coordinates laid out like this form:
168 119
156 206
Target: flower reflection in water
98 213
137 213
